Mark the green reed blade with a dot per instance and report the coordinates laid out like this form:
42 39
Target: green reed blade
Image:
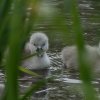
33 74
33 88
13 59
5 6
19 30
85 72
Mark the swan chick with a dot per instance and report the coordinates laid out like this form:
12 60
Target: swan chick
38 43
69 57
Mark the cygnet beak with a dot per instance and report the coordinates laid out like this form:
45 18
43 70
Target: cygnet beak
39 51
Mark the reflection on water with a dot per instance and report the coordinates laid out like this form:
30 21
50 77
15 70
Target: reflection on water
67 86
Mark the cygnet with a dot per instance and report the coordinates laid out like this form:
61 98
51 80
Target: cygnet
69 57
38 43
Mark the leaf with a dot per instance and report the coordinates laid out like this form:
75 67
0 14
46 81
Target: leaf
33 88
28 71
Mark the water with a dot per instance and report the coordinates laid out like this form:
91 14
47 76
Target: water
67 85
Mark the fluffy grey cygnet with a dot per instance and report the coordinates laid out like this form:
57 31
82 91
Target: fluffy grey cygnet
38 43
69 57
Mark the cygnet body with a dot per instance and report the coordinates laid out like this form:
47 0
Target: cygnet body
38 43
40 62
69 57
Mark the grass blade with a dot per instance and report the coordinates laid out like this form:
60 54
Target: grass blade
15 43
28 72
32 89
85 72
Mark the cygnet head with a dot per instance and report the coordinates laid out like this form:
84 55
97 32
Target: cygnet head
39 42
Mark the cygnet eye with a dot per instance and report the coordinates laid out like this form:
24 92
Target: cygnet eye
43 44
34 44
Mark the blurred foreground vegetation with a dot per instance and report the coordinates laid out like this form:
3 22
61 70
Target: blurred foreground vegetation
19 19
